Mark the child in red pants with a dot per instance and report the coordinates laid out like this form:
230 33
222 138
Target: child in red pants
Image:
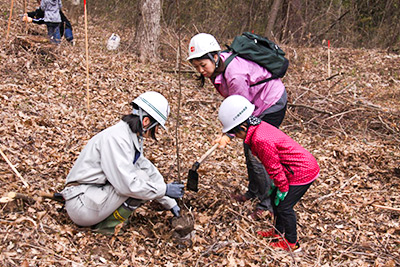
291 167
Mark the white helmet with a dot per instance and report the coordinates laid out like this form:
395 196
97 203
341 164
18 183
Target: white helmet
234 110
201 44
155 105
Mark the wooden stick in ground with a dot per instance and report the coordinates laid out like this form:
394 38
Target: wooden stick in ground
87 57
13 168
9 19
26 22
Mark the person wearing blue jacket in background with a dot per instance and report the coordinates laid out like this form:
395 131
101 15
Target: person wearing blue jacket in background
37 17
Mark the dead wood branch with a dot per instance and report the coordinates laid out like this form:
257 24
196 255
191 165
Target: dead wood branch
27 198
13 168
385 207
321 80
32 199
330 27
309 107
338 191
175 71
342 113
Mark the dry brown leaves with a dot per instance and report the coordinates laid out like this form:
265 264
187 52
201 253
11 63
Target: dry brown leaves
350 124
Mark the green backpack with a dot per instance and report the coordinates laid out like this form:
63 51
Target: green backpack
261 51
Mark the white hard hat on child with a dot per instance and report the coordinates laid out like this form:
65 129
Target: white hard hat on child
234 110
201 44
155 105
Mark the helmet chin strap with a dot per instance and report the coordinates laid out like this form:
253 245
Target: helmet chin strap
212 59
141 113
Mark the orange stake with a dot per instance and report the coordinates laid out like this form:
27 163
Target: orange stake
9 19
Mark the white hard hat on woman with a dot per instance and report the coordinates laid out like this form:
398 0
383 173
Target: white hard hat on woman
202 44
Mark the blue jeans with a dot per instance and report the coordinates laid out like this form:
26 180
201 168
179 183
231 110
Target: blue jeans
53 31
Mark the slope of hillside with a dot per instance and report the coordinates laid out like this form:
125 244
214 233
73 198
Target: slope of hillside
350 123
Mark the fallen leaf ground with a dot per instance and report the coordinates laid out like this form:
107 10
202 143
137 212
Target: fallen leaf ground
350 123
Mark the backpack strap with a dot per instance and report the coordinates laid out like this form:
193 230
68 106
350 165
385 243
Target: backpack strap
264 81
232 56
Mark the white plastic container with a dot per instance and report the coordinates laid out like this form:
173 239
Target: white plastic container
113 42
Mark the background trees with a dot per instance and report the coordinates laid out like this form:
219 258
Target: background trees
346 23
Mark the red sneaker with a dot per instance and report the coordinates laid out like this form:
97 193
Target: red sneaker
259 214
240 198
269 234
286 245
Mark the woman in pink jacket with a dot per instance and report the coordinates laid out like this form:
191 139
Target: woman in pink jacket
239 78
291 167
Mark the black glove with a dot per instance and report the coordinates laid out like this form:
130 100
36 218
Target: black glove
175 190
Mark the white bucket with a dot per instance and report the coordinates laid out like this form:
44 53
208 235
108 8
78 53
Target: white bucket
113 42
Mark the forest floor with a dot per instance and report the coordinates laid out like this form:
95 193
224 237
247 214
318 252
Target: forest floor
350 123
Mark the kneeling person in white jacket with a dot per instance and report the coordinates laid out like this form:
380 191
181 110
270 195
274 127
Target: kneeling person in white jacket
111 177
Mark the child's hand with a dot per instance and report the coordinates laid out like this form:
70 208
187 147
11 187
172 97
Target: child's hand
280 196
223 141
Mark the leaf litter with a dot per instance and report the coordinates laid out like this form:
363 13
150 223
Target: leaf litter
350 123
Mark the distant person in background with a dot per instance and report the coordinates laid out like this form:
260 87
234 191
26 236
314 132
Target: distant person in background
240 77
37 17
52 19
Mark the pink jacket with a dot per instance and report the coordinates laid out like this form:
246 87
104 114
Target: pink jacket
242 73
286 161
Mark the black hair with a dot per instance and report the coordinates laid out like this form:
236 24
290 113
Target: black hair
136 126
251 121
238 128
134 123
220 69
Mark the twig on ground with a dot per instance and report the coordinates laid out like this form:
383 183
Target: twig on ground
385 207
309 107
336 192
342 113
13 168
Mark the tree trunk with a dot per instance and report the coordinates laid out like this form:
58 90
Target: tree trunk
148 30
272 18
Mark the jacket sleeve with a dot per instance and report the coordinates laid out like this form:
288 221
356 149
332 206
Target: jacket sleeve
140 180
155 177
167 202
268 154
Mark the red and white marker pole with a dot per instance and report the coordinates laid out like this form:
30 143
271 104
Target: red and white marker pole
329 58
